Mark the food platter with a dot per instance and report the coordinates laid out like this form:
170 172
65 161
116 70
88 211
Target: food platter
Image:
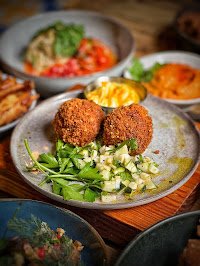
162 243
182 57
175 138
94 251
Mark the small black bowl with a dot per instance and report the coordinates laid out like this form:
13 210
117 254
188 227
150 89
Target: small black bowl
187 42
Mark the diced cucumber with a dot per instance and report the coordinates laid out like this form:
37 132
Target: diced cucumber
122 150
133 185
102 167
94 146
102 150
85 153
93 154
153 169
135 176
125 158
119 170
108 198
108 186
128 190
131 167
106 174
144 167
121 187
88 159
141 187
82 163
145 176
126 182
150 184
139 181
146 160
117 182
109 160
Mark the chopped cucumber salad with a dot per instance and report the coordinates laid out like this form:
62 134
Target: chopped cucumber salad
96 173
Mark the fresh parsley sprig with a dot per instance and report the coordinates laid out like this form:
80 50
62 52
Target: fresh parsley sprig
64 167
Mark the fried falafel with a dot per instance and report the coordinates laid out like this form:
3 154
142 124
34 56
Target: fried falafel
128 122
78 121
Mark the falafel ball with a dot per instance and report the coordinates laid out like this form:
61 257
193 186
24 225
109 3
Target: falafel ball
128 122
78 121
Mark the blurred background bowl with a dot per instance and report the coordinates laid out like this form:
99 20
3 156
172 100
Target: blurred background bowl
187 27
16 38
182 57
137 86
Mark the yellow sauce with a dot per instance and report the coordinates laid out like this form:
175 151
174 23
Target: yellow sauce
184 165
113 94
176 124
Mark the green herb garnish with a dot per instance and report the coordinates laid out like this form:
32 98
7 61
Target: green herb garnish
138 73
65 167
131 143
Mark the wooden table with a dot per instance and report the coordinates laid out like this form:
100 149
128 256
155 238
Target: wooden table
151 25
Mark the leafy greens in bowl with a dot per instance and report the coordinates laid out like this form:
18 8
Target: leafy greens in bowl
173 76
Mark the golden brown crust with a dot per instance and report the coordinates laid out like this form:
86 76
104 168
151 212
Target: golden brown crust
78 121
128 122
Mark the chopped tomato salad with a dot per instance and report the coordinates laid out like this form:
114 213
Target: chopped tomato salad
92 56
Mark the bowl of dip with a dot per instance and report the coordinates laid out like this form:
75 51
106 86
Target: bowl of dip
113 92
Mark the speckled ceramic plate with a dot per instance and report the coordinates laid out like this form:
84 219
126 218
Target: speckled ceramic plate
162 243
94 252
175 137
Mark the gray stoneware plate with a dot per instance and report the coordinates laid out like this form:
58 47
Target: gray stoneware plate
94 252
181 57
175 137
162 243
96 25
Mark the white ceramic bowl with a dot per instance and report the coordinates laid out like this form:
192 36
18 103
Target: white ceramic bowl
96 25
186 58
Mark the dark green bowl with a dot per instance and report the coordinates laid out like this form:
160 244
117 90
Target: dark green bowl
162 243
